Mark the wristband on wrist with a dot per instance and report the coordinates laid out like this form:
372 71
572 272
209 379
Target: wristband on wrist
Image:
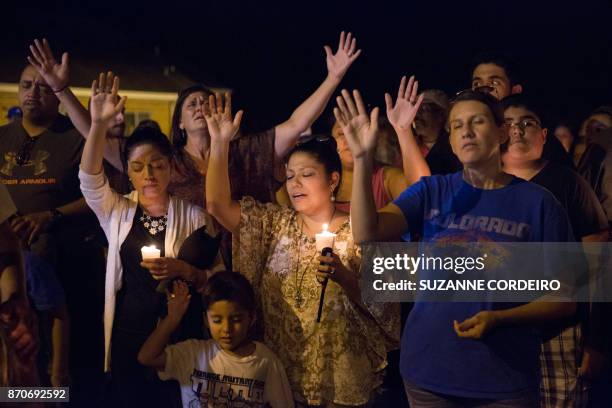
61 89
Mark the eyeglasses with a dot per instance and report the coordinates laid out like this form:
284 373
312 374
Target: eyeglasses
318 138
23 156
484 89
523 124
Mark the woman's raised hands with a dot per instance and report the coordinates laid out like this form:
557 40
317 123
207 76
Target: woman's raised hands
218 115
339 63
359 128
406 106
105 101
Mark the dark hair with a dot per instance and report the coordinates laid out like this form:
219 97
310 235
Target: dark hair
146 135
230 286
492 103
178 136
509 66
148 123
605 110
323 148
523 101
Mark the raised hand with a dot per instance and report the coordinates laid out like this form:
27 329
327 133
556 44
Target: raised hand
105 101
339 63
178 300
406 106
221 125
359 128
56 75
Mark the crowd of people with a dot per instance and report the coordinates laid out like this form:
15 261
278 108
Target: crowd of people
228 312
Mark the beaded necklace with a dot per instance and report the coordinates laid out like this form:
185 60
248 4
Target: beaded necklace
154 224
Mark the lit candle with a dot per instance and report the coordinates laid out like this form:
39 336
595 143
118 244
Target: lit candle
149 252
325 239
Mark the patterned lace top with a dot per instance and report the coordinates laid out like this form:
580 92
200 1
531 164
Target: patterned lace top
337 360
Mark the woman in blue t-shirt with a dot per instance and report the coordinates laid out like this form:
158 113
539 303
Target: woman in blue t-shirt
460 354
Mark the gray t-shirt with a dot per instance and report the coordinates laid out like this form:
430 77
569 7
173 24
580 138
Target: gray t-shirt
40 172
7 207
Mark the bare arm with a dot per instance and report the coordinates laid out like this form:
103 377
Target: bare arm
413 162
56 75
222 128
152 353
401 117
395 182
304 116
537 313
360 131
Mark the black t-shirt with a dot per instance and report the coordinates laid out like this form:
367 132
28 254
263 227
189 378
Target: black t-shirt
41 173
139 305
555 152
576 196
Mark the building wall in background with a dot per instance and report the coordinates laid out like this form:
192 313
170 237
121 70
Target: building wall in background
140 105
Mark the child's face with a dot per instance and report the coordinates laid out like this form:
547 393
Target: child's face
229 324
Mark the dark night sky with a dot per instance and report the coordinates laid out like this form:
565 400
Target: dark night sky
272 53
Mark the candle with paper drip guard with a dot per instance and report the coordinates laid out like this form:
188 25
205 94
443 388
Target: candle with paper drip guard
149 252
325 244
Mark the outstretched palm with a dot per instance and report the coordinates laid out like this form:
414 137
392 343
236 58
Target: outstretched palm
221 125
339 63
56 75
406 106
358 127
105 101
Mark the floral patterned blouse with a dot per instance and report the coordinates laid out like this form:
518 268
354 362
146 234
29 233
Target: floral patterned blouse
338 360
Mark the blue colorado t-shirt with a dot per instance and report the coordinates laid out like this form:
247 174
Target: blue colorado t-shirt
505 362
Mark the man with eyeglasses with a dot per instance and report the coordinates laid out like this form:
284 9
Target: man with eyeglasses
567 363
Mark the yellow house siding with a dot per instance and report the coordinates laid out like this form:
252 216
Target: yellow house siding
158 106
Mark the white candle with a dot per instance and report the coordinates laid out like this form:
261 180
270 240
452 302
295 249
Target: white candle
149 252
325 239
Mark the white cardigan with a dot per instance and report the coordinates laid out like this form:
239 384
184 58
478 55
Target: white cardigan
116 213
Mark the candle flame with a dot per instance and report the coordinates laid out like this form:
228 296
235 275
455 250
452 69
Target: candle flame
325 226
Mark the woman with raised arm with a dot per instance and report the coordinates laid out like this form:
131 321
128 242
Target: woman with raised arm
336 361
251 155
388 181
461 354
148 216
